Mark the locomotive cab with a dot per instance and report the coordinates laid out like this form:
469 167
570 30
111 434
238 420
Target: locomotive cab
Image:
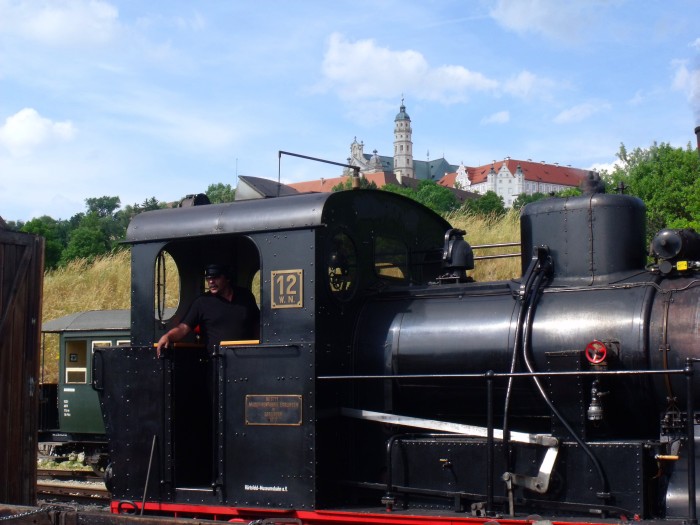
240 423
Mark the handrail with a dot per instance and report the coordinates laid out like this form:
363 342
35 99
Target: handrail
493 246
486 375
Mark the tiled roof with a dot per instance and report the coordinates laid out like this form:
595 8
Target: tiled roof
533 171
380 178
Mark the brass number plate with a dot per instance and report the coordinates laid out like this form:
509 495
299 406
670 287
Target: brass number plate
287 288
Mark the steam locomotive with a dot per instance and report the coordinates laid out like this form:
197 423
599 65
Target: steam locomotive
388 387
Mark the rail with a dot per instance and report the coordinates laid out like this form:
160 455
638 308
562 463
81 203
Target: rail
75 486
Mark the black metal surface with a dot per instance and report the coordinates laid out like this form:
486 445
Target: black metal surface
454 465
131 383
283 213
348 289
591 238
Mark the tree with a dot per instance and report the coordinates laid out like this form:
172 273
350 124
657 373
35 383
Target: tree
569 192
429 193
14 226
437 198
102 206
490 203
96 232
220 192
523 199
667 179
54 234
401 190
347 184
88 240
130 211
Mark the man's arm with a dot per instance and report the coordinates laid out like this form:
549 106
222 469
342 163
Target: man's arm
172 336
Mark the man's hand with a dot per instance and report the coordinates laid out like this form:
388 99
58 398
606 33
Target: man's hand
171 336
163 342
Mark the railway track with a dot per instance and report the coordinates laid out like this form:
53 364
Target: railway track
82 487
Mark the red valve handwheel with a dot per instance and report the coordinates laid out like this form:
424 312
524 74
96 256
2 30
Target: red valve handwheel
596 352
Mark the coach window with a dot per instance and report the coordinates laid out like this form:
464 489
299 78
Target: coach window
390 258
342 267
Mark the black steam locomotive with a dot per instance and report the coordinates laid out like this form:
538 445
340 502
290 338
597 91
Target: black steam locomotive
388 387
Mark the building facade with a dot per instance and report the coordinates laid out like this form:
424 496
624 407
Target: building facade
507 178
402 164
510 178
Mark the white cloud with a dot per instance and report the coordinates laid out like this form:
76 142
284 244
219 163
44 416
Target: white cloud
687 80
362 70
580 112
554 19
26 130
500 117
608 167
527 85
60 22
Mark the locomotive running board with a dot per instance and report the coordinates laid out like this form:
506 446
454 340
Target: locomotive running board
445 426
539 483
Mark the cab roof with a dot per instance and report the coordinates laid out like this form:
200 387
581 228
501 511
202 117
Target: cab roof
290 212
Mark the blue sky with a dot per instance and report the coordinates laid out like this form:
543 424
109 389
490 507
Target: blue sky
162 98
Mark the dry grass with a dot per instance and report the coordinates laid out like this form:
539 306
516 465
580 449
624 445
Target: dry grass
491 230
105 284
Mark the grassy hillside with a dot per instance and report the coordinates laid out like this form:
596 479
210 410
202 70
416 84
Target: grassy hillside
491 230
106 283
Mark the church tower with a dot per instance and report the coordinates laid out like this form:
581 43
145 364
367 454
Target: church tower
403 147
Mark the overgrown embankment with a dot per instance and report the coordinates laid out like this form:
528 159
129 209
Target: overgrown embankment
105 283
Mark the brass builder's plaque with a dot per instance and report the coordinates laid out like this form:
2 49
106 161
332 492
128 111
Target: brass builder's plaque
284 410
287 288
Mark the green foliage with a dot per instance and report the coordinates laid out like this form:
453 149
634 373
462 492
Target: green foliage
130 211
430 194
569 192
55 234
667 179
14 226
400 190
87 235
90 239
220 192
490 203
102 206
347 184
523 199
436 197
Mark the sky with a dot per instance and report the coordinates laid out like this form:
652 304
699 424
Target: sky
163 98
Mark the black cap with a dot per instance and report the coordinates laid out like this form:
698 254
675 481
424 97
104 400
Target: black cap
214 270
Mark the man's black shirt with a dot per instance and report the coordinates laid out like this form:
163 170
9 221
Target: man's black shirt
221 320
